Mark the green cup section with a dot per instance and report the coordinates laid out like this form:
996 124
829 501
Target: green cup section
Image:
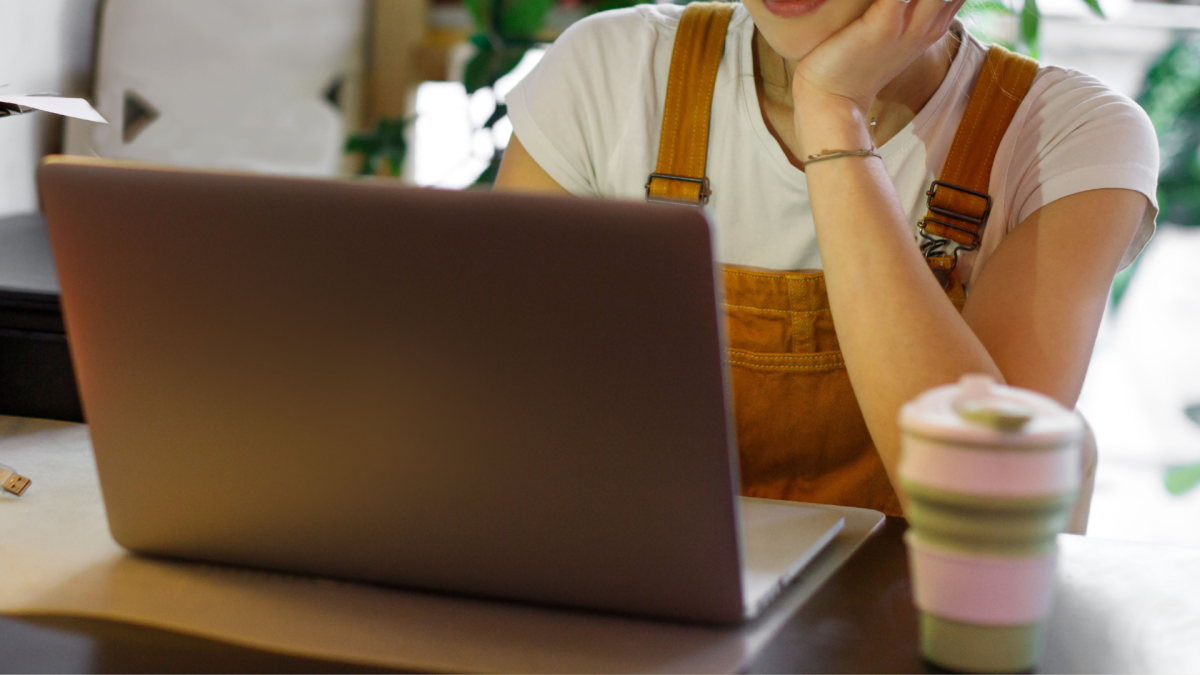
988 526
984 649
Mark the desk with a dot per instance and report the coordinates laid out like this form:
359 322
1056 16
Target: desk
1121 608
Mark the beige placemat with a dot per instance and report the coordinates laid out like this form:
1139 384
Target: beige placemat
56 557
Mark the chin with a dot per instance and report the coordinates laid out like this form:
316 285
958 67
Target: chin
794 28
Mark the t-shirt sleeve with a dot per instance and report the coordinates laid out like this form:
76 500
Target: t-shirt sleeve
571 109
1079 136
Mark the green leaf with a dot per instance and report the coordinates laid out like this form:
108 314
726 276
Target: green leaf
979 17
1180 199
1095 5
986 7
477 71
489 65
497 115
523 18
489 174
606 5
1192 412
395 160
474 10
385 142
516 19
481 41
1171 98
1031 20
1182 479
363 143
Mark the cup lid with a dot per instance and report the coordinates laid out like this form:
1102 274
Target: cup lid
977 410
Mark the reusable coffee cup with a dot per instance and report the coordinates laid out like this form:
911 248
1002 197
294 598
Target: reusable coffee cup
991 473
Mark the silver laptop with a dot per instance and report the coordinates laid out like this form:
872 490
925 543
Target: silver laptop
497 395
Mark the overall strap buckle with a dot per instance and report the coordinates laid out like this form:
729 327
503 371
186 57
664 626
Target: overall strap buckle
956 230
977 219
705 190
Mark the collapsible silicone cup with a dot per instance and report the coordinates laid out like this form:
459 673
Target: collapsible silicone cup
991 473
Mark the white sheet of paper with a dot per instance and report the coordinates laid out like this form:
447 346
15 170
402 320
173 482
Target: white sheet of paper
67 107
56 557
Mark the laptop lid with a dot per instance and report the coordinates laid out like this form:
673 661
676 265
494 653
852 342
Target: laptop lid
502 395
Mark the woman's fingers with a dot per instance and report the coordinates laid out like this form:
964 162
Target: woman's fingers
858 60
950 9
927 12
947 17
890 16
931 18
912 20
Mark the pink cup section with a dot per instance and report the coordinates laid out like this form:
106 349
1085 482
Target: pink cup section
987 591
988 472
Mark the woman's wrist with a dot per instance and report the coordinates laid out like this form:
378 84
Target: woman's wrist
826 124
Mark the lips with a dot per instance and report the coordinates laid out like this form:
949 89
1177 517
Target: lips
787 9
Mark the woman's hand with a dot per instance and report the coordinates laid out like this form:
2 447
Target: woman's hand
843 75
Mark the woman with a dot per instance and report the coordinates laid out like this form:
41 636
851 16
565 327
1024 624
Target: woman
804 92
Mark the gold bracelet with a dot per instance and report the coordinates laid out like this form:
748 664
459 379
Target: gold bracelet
835 154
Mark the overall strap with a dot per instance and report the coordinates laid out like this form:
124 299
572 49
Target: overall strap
958 202
683 146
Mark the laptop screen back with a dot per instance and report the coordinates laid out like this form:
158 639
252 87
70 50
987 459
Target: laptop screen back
502 395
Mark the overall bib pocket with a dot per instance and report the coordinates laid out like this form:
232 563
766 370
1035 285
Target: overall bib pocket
800 434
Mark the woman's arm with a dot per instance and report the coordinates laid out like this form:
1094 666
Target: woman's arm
1037 304
520 173
1031 319
1033 313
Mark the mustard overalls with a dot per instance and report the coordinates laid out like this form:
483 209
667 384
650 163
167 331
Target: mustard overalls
801 435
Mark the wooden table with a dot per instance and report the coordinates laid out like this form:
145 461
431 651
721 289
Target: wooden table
1121 607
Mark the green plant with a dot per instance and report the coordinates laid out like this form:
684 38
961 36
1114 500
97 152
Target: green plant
1171 97
384 143
1029 21
1181 480
505 31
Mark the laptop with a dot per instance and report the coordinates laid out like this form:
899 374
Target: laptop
509 396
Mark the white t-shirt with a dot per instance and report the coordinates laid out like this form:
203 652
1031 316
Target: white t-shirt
590 114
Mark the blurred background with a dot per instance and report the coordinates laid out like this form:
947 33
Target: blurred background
413 91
